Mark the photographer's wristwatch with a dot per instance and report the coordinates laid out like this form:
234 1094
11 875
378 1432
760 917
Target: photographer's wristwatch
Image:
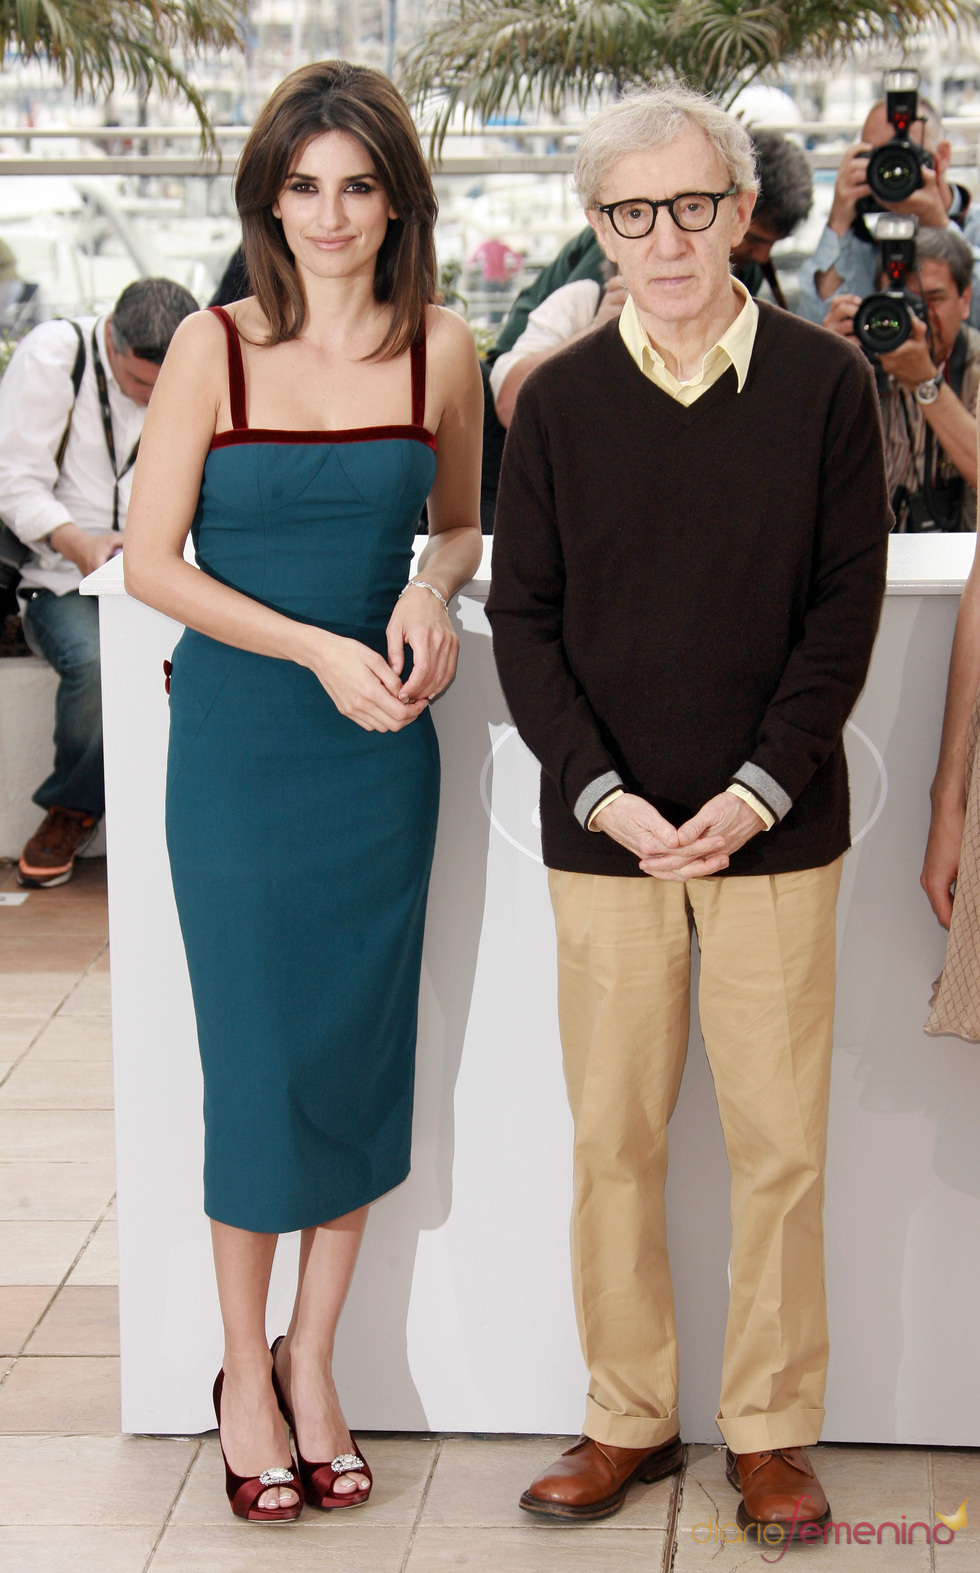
928 392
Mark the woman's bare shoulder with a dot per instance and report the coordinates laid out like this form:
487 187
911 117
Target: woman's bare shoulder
449 341
199 341
445 328
200 344
250 320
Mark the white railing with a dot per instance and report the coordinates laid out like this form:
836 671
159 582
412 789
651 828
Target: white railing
141 161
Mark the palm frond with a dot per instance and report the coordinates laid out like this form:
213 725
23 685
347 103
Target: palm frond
95 44
826 29
488 56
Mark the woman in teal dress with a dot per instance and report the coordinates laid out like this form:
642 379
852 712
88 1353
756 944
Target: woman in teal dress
296 437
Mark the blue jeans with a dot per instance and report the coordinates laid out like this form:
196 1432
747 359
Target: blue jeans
64 631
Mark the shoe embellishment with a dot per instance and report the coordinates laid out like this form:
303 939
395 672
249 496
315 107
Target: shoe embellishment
276 1477
345 1462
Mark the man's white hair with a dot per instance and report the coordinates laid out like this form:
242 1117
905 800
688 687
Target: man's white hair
651 119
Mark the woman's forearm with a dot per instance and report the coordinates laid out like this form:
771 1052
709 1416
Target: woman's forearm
451 558
948 787
191 597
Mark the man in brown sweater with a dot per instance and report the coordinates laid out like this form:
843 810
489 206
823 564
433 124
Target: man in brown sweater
688 570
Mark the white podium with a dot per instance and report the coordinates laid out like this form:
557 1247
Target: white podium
460 1318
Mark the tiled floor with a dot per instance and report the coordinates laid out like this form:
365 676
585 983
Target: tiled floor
76 1497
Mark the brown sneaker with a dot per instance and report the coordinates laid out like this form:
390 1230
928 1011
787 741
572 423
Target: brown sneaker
49 856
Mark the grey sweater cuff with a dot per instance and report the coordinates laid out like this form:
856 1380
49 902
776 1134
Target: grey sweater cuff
765 788
593 793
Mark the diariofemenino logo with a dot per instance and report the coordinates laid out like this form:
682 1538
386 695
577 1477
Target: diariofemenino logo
776 1537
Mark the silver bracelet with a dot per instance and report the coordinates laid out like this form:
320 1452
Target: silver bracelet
421 584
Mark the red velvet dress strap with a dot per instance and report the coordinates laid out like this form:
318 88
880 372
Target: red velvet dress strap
236 371
418 381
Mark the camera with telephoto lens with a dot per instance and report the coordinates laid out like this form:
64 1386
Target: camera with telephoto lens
895 169
883 321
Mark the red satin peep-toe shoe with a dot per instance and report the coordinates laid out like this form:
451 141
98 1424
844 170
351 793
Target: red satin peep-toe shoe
244 1490
319 1480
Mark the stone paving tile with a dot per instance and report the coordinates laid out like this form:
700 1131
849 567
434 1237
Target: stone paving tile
863 1485
955 1477
74 1549
959 1557
90 997
98 1480
538 1549
47 953
100 1261
74 1038
58 1084
17 1033
36 993
57 1135
83 896
40 917
300 1547
77 1395
21 1307
735 1558
878 1483
401 1467
83 1320
49 1191
479 1482
39 1252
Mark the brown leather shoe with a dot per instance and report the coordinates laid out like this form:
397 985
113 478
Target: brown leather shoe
780 1488
594 1480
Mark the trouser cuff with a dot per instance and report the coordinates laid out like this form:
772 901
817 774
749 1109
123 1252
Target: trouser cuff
628 1430
757 1433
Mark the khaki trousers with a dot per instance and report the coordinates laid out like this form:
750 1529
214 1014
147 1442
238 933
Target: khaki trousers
767 1004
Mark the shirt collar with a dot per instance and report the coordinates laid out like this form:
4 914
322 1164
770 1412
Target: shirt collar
104 355
736 343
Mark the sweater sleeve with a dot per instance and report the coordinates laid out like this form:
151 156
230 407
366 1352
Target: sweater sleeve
525 606
828 666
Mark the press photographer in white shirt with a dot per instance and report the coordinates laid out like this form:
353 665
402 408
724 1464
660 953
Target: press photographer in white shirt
72 517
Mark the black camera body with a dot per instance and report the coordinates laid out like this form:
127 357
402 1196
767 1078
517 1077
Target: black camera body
883 321
895 168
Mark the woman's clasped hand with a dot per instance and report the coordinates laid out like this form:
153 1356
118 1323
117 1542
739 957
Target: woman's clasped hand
371 690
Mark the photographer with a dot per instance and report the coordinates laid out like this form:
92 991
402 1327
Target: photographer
569 313
846 257
928 390
72 403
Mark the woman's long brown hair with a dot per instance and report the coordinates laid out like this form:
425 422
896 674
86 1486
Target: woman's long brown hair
332 95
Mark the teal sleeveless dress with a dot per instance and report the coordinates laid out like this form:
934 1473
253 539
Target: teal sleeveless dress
300 844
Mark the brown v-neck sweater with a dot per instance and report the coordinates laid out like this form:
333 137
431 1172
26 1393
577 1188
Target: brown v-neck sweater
683 596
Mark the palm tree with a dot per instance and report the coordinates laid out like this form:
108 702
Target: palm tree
93 44
486 56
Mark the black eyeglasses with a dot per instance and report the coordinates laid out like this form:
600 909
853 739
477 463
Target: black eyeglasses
692 210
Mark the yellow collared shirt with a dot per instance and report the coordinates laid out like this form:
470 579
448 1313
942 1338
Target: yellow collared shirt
734 348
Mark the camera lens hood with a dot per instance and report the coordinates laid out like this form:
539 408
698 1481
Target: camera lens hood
895 170
882 322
